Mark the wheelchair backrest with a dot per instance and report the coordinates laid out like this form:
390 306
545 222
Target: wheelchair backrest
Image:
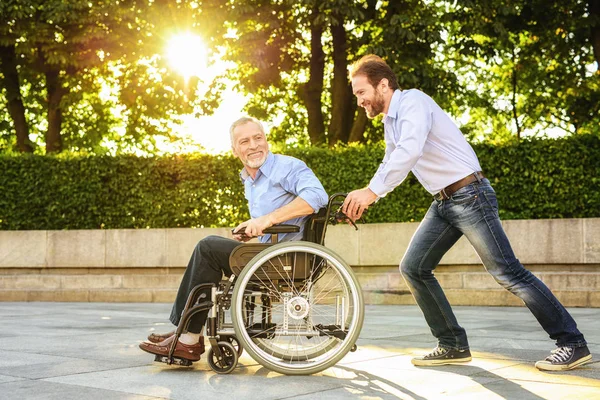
314 228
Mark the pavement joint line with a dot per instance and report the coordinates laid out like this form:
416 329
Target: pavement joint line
371 359
550 383
306 394
102 388
64 356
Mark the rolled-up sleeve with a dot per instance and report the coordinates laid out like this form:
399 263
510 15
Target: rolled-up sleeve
304 183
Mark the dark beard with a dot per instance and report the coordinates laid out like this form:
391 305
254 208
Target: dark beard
377 105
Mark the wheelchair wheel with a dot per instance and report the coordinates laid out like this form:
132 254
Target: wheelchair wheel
297 308
227 362
235 343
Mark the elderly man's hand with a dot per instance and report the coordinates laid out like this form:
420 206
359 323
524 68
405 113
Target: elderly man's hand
357 202
253 227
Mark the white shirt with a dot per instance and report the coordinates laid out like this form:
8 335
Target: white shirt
420 137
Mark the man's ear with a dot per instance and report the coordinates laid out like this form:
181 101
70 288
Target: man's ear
385 83
234 152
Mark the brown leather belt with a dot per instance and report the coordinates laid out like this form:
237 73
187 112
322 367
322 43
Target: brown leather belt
449 190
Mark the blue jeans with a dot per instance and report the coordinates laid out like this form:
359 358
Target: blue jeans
473 211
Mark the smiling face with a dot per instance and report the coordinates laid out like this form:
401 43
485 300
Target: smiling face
368 97
250 145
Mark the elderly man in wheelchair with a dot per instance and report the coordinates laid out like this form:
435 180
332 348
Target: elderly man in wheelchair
294 305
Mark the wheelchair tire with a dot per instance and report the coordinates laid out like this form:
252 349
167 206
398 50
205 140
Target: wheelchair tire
308 325
227 363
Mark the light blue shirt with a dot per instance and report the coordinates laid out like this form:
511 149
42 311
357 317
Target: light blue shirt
279 181
420 137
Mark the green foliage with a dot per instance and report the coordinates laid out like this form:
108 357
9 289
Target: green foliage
528 66
117 92
534 179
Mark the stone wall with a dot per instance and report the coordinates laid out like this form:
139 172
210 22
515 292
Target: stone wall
146 265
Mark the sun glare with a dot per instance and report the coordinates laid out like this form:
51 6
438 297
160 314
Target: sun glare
187 55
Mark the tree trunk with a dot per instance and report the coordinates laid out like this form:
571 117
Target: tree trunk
311 92
514 94
8 66
55 94
341 91
594 7
357 134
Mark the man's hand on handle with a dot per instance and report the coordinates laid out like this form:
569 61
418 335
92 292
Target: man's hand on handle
357 202
251 228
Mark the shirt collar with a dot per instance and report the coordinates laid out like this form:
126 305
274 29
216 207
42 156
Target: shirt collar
394 106
264 169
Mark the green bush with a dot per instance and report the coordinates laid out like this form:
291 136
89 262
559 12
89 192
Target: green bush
551 178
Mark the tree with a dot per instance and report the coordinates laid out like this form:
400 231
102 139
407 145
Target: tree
531 61
293 56
79 50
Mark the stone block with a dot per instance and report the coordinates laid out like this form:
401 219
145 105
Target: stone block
461 253
22 248
91 281
166 281
466 297
546 241
181 242
121 296
387 298
344 241
30 281
591 240
396 281
479 281
384 244
58 295
164 295
78 248
373 281
136 248
571 280
573 298
13 295
594 299
450 281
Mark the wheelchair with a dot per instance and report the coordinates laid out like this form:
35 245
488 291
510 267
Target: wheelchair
295 307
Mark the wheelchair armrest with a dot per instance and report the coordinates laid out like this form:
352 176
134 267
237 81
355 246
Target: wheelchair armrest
283 228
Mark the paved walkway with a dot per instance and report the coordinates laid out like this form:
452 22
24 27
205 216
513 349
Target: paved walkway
90 351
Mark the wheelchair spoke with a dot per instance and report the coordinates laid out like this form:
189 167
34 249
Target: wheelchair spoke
313 271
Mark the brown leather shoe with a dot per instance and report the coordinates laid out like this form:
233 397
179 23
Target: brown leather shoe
159 337
182 350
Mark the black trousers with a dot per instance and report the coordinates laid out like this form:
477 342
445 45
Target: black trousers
209 261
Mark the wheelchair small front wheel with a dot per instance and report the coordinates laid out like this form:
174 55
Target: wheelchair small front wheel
226 361
235 343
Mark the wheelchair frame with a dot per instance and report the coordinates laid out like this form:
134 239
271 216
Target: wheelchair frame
296 344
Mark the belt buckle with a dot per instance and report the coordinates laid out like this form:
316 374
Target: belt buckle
441 195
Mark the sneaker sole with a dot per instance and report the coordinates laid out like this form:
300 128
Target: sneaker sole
543 366
430 363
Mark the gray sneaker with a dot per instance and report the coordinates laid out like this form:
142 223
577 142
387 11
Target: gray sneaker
565 358
442 356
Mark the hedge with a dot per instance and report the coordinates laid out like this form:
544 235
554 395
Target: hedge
549 178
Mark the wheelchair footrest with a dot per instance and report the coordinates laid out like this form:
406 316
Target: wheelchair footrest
176 360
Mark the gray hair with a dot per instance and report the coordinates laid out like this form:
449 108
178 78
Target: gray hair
244 121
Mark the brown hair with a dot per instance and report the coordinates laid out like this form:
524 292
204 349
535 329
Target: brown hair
375 69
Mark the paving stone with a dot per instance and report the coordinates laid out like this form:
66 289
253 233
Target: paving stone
90 350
